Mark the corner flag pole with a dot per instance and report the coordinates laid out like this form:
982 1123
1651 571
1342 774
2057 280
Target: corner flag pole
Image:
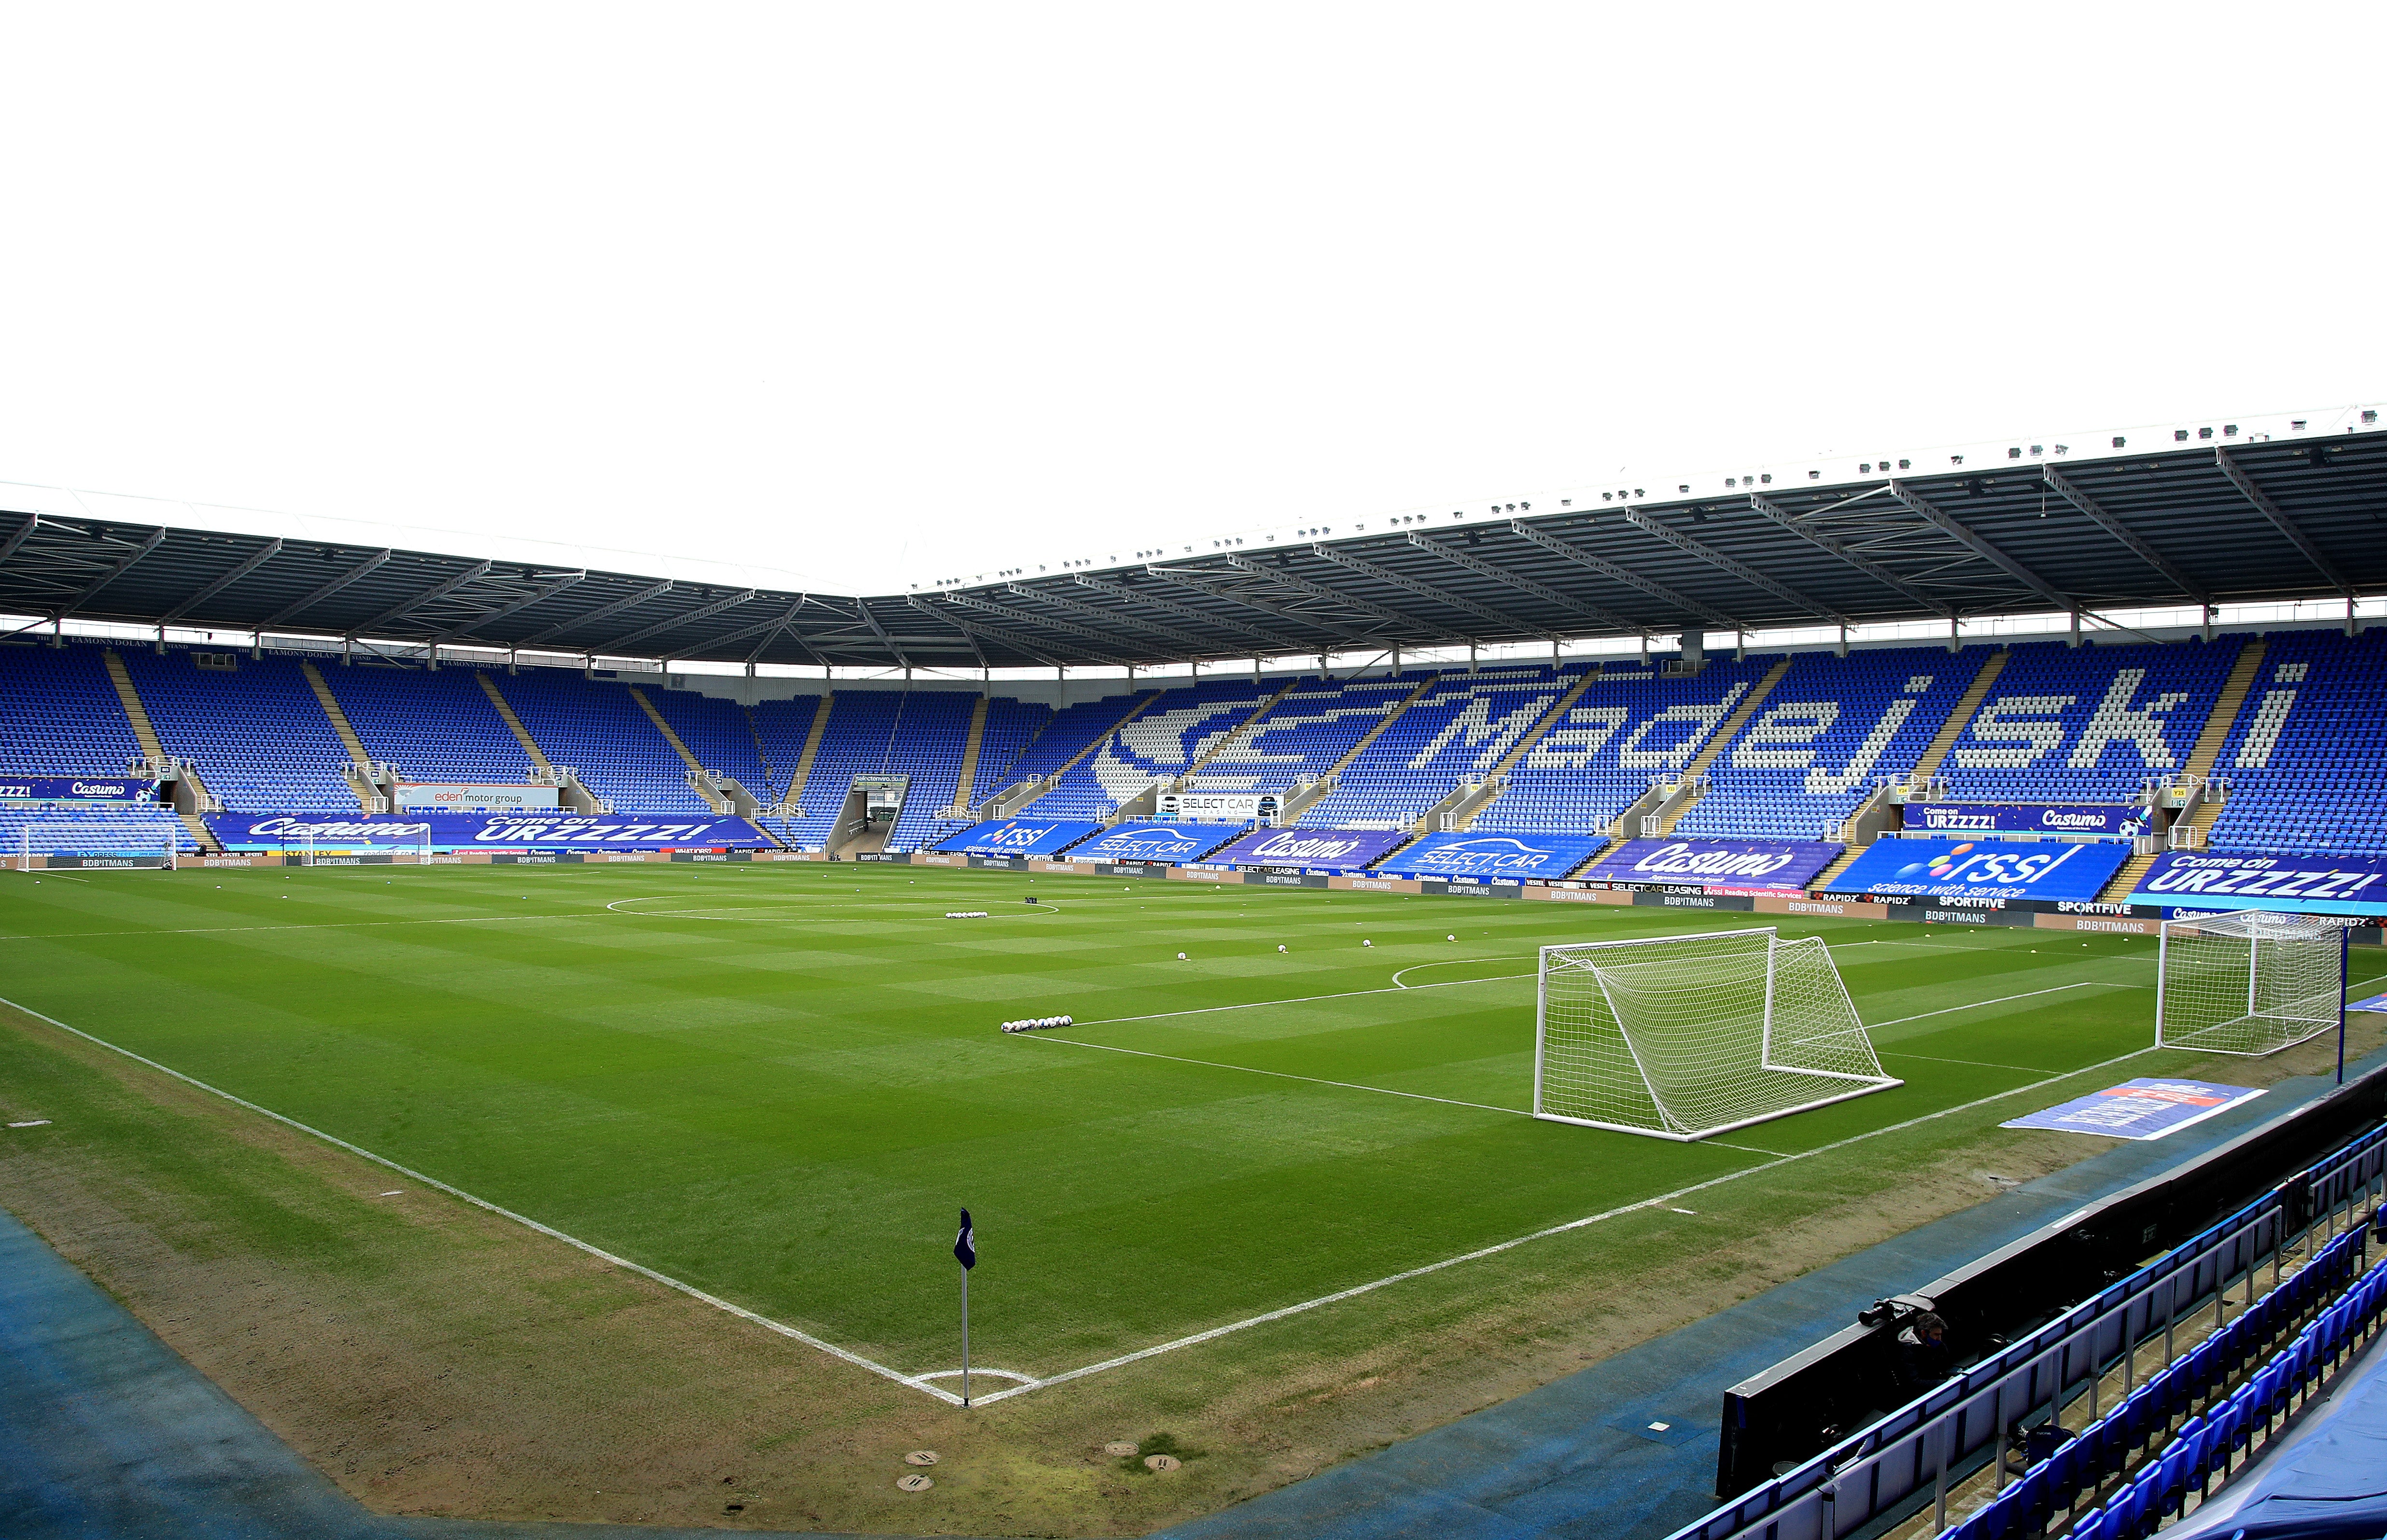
965 1252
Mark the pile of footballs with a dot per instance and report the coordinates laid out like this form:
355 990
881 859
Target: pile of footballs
966 914
1038 1023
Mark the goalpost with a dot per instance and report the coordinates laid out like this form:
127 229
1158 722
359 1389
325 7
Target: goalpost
1681 1037
2252 981
128 843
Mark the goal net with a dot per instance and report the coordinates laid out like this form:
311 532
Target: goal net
2253 981
113 840
1681 1037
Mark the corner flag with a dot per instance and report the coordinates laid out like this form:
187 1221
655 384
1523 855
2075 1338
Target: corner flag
964 1248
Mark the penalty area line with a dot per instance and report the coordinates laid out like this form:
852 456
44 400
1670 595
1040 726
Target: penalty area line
783 1328
1280 1074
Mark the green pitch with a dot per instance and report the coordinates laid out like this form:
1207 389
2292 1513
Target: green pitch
778 1083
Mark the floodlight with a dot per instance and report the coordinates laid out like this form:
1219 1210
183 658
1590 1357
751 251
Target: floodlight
2119 441
2204 433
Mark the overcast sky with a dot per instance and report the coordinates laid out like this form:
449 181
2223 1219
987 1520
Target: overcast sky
883 295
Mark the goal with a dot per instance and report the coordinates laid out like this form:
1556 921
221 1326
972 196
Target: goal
2252 981
1681 1037
116 841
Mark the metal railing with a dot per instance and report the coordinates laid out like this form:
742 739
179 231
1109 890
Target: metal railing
1911 1457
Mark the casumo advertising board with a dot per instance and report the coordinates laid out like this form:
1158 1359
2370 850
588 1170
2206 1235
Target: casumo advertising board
1982 868
462 797
2324 884
1311 849
77 789
1215 807
1021 836
2119 822
610 831
1493 855
1749 866
1156 844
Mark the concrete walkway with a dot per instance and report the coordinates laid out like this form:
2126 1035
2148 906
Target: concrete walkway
106 1432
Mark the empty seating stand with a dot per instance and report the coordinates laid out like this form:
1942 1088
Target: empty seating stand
257 733
2088 723
1631 725
1463 727
1828 730
2303 759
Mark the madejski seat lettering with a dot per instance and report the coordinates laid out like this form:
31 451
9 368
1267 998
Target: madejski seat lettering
1778 739
2012 731
1155 748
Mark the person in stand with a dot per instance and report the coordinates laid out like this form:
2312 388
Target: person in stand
1923 1356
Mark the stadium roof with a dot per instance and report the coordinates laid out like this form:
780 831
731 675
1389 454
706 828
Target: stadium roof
2191 521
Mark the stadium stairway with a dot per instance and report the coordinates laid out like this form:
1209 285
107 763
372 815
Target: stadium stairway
1495 777
970 746
1925 764
761 753
1240 733
2234 691
1725 732
521 734
1301 797
1052 778
145 733
803 770
699 780
2209 741
358 753
1936 755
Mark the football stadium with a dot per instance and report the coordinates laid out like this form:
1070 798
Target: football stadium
1837 996
1283 1029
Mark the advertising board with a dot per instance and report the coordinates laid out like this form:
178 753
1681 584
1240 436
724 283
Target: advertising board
1492 855
1983 868
1313 850
278 831
1718 865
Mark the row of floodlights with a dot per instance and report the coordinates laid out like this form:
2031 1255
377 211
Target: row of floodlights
1764 478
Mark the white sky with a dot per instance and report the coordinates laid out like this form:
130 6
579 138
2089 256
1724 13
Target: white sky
885 295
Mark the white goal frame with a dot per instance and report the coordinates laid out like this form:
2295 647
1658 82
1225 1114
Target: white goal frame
1860 1074
2281 1008
168 857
